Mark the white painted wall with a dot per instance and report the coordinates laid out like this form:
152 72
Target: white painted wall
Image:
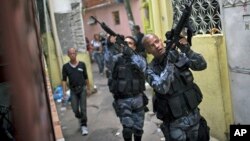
236 27
62 6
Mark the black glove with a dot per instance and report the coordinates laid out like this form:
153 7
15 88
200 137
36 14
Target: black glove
173 56
128 51
184 48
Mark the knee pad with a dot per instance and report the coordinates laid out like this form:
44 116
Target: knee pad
127 132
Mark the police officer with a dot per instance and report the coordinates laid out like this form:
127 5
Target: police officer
176 95
127 84
138 36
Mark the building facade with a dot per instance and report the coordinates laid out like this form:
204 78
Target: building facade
113 13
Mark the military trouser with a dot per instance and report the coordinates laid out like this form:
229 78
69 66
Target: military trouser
78 104
131 114
184 128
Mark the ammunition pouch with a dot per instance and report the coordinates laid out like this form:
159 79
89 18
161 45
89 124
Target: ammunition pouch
186 77
193 97
203 131
125 79
160 108
145 102
117 112
170 107
165 131
125 87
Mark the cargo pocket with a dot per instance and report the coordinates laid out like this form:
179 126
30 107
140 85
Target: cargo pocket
186 77
199 93
204 130
175 106
161 108
135 85
122 86
192 98
112 86
122 73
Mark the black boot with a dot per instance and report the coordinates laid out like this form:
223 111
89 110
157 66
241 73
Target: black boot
127 139
137 138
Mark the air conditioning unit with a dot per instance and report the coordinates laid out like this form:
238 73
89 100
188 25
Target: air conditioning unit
91 21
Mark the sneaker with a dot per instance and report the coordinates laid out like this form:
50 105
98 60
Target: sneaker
84 130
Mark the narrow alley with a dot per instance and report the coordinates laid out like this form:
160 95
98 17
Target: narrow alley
103 124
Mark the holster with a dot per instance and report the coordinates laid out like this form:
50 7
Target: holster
117 112
165 131
145 102
203 132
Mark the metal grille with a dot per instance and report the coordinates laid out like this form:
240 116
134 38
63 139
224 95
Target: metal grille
231 3
205 17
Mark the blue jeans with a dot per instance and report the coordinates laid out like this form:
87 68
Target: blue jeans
100 61
79 105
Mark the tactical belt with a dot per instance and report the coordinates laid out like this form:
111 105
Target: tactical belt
127 95
138 109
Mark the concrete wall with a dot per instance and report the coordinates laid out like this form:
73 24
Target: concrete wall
214 83
237 29
52 60
104 14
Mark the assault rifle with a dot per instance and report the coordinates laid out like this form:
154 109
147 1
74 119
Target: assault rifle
173 36
119 38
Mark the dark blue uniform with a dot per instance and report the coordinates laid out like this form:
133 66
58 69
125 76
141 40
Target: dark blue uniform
127 85
176 95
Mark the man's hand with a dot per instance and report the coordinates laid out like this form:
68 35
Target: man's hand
65 97
88 92
184 46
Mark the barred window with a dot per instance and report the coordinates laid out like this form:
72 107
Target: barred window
116 17
205 15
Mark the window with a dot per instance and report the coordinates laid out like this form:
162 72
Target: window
116 17
205 16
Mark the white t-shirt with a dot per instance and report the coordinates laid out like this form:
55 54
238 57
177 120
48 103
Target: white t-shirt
96 44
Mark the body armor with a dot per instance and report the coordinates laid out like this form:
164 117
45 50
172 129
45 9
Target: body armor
126 80
182 98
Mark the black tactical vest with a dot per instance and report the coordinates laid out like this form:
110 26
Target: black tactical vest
182 98
126 79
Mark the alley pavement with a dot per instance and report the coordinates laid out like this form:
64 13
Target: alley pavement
103 124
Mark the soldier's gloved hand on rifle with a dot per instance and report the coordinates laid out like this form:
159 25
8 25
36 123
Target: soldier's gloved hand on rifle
173 56
126 50
184 45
